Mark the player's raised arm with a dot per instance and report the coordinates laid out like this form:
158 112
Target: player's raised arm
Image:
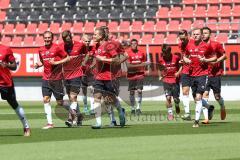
11 64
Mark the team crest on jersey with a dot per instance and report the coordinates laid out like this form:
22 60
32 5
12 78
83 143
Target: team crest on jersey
47 53
18 61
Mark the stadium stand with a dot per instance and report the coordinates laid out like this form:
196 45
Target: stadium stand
150 21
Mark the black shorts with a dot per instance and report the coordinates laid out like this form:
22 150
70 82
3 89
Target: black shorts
73 85
105 87
199 84
54 87
8 93
135 84
214 83
185 80
171 89
117 85
87 80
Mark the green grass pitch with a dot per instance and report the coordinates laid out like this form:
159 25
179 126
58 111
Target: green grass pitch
149 136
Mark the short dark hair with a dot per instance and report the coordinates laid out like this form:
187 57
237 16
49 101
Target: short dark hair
207 28
194 29
166 48
48 32
134 40
67 32
102 31
183 32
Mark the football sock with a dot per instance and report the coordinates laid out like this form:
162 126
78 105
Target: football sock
139 100
221 102
98 112
20 112
48 112
132 101
205 112
74 105
85 101
170 110
111 114
186 103
91 103
198 110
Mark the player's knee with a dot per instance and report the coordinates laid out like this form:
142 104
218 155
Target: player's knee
132 93
139 91
46 99
169 98
217 97
60 102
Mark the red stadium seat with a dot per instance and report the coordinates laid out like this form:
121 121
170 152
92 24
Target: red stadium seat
113 26
214 1
235 24
2 16
1 27
89 27
149 26
188 2
54 28
187 12
227 1
99 24
212 23
173 25
162 12
186 24
171 39
6 41
16 42
137 26
76 38
161 26
135 36
198 24
158 39
4 4
202 1
31 28
222 37
20 29
200 11
224 24
235 11
175 12
124 26
42 27
8 29
225 11
77 27
147 39
212 11
28 41
66 26
39 41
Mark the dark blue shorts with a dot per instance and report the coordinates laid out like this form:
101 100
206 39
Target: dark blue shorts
171 89
135 84
8 93
214 83
105 87
199 84
185 80
73 85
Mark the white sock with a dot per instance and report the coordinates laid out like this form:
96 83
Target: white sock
205 102
139 101
205 112
48 112
198 110
91 103
186 103
221 102
170 110
132 101
98 112
85 101
21 115
74 105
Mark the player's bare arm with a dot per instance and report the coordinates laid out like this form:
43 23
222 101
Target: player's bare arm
11 65
64 60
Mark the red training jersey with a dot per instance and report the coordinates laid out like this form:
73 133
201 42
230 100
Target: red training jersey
108 49
217 68
136 58
6 56
170 68
72 69
195 52
51 72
